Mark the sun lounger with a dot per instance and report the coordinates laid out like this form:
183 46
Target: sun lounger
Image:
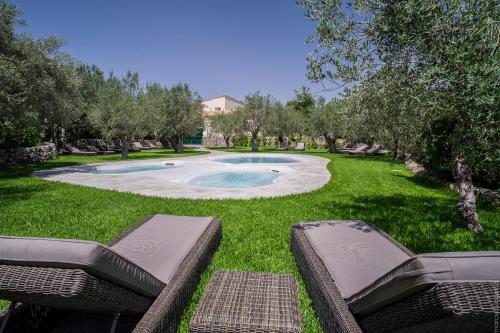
139 145
373 150
148 275
300 146
347 148
361 280
145 144
151 143
359 151
135 146
282 146
77 152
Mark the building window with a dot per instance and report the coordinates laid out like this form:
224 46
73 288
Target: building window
218 109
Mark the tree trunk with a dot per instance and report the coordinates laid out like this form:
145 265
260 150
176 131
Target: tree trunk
124 143
180 149
227 140
177 143
395 149
467 199
331 141
255 145
281 140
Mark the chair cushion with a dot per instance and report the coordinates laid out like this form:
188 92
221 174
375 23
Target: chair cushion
95 259
160 245
354 253
423 272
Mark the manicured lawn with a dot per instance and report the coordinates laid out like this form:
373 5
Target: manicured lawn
256 233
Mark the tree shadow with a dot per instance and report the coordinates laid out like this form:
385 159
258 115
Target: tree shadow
422 223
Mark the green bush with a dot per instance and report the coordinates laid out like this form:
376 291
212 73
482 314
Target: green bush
241 140
12 136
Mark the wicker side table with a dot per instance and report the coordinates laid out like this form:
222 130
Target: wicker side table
248 302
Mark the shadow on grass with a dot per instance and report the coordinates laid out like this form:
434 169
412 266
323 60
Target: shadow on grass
422 223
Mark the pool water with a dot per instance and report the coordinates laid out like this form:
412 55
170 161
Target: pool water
256 159
235 179
129 169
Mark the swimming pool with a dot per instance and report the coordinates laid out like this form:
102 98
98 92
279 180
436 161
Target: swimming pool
256 159
217 176
129 169
235 179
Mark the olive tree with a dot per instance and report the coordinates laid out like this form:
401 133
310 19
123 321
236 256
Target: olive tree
452 49
455 46
225 125
284 121
327 120
172 113
254 115
117 112
39 85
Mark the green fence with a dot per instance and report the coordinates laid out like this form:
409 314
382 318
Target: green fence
195 139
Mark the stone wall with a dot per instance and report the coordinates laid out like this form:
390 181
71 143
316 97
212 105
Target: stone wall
9 157
213 139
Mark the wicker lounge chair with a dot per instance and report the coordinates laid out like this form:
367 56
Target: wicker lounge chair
135 146
361 280
300 146
148 275
347 148
77 152
359 151
374 150
282 146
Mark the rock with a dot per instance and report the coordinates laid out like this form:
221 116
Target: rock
9 157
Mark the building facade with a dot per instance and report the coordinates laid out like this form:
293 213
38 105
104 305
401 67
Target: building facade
219 105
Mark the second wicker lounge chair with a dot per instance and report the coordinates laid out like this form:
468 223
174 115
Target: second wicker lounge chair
361 280
146 276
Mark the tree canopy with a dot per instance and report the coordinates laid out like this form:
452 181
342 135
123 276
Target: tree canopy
419 73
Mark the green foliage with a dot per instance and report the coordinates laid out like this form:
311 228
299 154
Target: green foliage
91 81
172 113
117 113
254 115
455 48
284 121
256 233
225 124
421 64
241 140
303 101
39 90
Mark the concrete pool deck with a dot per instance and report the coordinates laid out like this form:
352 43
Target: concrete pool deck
308 173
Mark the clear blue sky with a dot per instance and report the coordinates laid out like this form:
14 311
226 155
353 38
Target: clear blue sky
218 47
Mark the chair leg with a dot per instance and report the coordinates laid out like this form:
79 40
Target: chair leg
113 325
6 318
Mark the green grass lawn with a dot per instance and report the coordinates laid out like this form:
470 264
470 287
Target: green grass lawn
256 233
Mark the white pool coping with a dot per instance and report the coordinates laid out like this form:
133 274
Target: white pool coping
307 174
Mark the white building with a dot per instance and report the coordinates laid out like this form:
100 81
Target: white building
221 104
211 107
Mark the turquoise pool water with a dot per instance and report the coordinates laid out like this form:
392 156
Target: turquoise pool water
235 179
256 159
129 169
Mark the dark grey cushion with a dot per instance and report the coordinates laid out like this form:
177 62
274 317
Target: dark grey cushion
160 245
354 253
93 258
423 272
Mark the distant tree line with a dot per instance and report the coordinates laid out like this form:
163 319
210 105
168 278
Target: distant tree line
46 95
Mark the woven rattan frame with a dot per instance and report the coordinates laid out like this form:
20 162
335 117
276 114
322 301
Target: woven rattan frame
162 316
248 302
330 307
447 307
